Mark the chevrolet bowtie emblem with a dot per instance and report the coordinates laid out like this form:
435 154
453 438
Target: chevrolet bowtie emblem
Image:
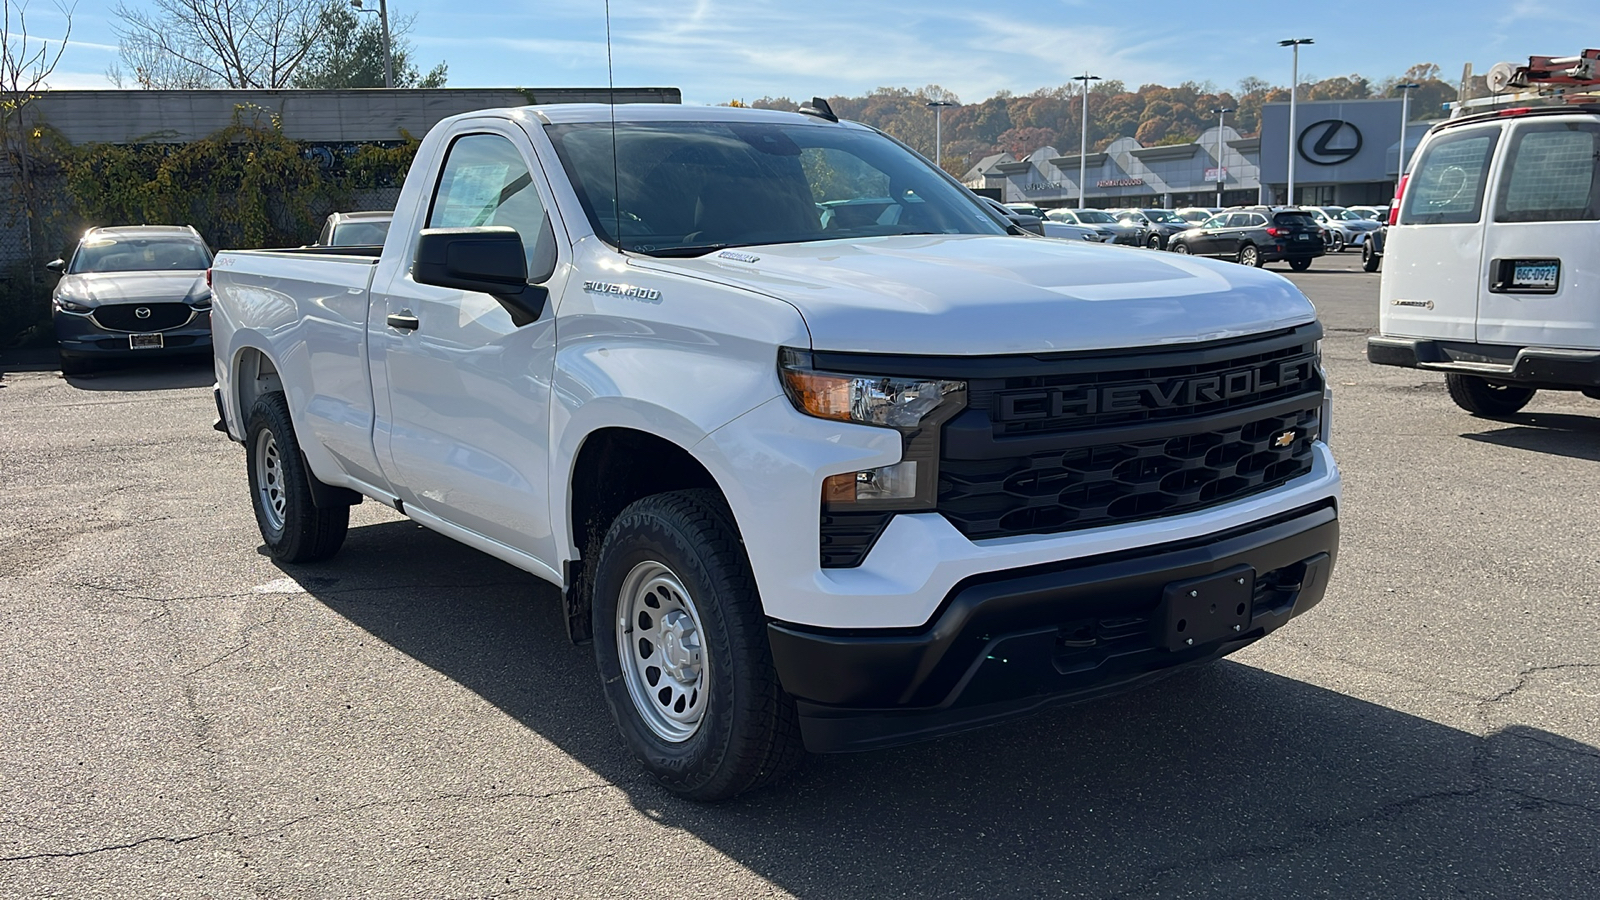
1284 440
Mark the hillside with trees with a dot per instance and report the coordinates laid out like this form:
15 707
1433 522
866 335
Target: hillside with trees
1153 114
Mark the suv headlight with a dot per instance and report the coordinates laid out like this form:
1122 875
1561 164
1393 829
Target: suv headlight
65 303
916 407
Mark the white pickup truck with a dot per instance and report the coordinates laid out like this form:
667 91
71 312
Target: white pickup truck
822 452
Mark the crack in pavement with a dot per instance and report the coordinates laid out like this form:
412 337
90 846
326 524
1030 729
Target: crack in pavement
290 823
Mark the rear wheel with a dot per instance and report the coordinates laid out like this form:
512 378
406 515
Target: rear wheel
295 529
1300 265
1250 256
681 645
1369 260
1153 242
1482 397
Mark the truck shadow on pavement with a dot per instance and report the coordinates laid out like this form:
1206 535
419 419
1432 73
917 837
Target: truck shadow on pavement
1231 781
1577 437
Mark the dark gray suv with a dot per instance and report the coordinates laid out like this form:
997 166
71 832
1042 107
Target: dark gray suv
132 291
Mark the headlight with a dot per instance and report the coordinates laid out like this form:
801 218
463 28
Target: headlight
201 300
67 304
916 407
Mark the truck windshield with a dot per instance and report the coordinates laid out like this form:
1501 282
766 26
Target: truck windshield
688 188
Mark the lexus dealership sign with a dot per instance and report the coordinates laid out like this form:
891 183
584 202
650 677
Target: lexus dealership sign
1329 142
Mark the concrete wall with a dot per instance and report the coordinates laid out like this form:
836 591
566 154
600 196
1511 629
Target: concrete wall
127 117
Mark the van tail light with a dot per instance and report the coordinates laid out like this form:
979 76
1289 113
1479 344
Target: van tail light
1399 192
208 276
1272 231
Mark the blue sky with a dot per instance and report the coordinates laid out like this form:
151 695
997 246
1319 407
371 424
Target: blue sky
716 50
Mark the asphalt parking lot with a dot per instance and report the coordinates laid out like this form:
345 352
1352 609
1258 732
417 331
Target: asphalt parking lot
182 718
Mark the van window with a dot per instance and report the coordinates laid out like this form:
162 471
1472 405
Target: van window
1446 186
1550 174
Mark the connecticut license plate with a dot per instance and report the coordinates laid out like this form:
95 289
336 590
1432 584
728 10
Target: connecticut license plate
1535 274
145 341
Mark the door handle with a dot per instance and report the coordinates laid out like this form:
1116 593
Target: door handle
403 320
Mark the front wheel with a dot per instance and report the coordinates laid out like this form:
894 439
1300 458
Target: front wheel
1338 243
295 529
681 645
1154 242
1250 256
74 365
1299 265
1180 248
1482 397
1369 259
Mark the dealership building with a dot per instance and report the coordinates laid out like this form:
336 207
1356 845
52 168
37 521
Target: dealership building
1346 153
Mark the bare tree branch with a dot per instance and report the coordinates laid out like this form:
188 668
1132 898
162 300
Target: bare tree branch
227 43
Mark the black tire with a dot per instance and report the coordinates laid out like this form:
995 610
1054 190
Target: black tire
746 733
1338 243
1250 256
1300 265
1369 260
1179 247
1482 397
74 365
1153 242
294 528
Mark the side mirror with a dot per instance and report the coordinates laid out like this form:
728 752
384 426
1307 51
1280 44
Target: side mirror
489 260
57 266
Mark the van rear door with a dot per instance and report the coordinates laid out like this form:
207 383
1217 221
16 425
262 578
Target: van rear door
1434 255
1541 247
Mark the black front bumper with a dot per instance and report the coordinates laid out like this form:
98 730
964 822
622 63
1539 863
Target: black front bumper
1008 643
1539 367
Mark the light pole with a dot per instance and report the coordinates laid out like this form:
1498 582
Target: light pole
1405 117
388 51
938 131
1083 144
1294 91
1220 111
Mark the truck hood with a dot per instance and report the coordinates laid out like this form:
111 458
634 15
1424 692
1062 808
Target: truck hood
976 294
101 288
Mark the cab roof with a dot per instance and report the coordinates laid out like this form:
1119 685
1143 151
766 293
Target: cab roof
572 113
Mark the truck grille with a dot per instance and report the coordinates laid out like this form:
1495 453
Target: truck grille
1054 444
125 316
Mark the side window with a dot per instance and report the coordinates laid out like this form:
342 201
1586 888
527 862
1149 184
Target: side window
1239 220
1446 186
1550 174
484 182
1216 222
1257 220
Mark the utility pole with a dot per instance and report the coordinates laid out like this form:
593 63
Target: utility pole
1294 92
388 49
1083 144
1405 118
1220 111
938 107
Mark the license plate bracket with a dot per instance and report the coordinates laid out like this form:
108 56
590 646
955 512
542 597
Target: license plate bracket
1201 611
146 341
1525 276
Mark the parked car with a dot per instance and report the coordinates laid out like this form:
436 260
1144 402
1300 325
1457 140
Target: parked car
1372 250
1074 232
1341 228
1159 225
1253 237
138 290
805 488
1026 209
1194 215
1022 220
1375 213
355 229
1099 220
1495 271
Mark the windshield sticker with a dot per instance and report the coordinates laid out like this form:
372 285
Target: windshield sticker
646 295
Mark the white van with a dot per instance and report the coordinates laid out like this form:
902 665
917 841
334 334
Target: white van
1492 259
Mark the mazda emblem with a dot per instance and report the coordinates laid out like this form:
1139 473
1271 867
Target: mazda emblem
142 312
1333 141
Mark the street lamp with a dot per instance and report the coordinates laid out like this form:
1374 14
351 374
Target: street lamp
1405 117
1220 111
388 52
1083 145
1294 91
938 107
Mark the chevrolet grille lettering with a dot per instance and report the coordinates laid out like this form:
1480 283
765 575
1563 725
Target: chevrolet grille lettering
1088 400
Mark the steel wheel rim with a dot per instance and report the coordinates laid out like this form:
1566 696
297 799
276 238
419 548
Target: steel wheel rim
269 480
662 652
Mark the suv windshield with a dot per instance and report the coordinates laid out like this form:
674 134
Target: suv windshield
687 188
139 254
1162 215
1094 217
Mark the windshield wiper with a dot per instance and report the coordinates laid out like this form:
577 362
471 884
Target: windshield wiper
682 252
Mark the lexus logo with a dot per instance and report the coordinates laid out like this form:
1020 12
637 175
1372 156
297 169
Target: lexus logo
1331 142
142 312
